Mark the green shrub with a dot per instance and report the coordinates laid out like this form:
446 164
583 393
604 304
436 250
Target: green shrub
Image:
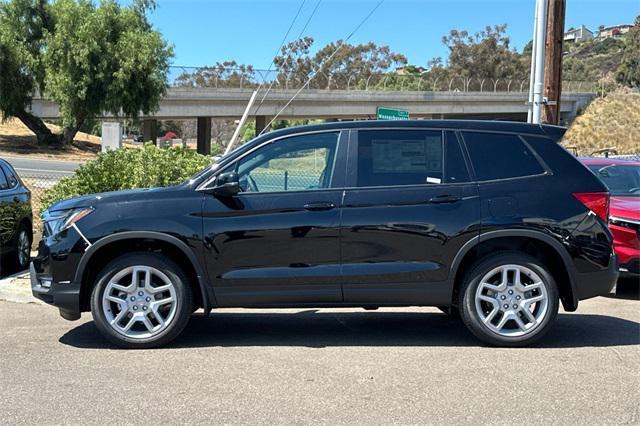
128 169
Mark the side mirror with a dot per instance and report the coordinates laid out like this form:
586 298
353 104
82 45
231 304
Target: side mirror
227 185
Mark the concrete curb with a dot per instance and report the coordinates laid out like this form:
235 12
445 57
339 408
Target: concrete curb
17 288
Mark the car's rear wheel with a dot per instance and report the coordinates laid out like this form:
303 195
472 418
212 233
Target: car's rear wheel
509 299
141 300
22 249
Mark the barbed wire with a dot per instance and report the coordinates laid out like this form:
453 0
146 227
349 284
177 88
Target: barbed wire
250 78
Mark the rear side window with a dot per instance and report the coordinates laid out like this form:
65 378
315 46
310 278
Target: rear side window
3 181
12 181
399 157
500 156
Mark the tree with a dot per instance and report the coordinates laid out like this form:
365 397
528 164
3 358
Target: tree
485 55
338 64
225 74
24 25
89 59
629 71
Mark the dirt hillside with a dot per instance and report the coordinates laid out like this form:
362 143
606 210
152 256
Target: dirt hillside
17 139
608 122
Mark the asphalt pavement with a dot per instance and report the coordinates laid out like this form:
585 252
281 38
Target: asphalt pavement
330 366
42 168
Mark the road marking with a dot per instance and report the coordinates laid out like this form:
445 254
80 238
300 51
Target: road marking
43 171
50 160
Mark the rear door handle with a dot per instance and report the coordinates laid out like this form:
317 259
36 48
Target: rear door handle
319 206
445 199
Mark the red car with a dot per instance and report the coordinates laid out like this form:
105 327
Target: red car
622 177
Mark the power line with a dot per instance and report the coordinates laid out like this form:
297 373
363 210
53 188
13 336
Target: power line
340 44
255 92
284 39
304 28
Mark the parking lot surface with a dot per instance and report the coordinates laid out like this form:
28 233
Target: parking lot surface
324 366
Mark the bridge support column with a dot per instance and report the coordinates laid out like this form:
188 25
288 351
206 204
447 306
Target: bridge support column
204 135
261 123
150 130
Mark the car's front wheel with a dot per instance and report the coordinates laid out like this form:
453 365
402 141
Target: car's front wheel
22 249
141 300
509 299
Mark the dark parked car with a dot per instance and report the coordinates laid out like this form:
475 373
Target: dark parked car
16 232
493 220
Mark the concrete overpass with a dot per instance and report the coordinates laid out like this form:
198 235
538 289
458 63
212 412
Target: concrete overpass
206 103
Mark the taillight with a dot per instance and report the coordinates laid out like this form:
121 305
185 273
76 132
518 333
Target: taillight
597 202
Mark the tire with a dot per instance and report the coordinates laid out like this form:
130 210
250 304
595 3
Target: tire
22 248
155 311
489 305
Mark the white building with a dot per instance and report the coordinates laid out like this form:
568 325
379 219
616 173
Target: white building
577 35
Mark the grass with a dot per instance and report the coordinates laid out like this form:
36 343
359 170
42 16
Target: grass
613 121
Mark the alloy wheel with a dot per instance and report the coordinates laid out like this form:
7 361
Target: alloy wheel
139 302
24 249
511 300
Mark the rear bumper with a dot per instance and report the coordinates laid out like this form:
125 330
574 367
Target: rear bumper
599 283
65 296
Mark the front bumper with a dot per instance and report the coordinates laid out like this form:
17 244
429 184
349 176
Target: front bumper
600 283
63 295
631 268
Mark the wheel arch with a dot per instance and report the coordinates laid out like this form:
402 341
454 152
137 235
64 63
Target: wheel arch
91 262
535 243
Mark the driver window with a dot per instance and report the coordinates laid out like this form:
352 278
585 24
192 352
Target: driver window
299 163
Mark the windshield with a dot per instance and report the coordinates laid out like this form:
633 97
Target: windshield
621 179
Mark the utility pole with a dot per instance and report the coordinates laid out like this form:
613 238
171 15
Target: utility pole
538 58
553 61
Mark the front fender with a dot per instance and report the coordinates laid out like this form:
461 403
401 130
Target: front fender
208 298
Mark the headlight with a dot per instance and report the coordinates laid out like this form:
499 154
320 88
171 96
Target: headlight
56 222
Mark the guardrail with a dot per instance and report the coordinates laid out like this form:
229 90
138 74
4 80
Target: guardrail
249 78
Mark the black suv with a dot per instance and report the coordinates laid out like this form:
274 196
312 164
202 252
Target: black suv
15 221
493 221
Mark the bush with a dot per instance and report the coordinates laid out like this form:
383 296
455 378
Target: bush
128 168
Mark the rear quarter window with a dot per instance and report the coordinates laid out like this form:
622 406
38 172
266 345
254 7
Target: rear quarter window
500 156
3 181
12 180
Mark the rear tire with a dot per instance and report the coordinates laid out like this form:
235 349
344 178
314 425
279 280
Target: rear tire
509 299
141 300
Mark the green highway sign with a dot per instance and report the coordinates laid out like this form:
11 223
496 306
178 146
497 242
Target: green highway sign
392 114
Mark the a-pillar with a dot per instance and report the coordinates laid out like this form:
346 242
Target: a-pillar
204 135
261 123
150 130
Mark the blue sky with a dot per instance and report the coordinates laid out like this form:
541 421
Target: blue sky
249 31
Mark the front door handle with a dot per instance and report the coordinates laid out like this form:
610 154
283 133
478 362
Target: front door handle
445 199
319 206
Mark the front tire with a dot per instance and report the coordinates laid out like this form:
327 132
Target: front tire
22 248
509 299
141 300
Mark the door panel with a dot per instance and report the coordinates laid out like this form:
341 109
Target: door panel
278 248
398 242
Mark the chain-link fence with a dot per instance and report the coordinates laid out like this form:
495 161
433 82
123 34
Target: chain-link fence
38 183
285 180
